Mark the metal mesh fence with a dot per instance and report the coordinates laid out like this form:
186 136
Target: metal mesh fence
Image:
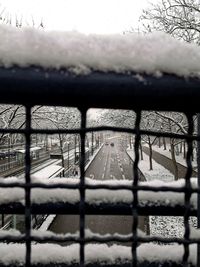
136 208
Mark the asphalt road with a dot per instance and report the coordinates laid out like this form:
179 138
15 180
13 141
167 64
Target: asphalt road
112 162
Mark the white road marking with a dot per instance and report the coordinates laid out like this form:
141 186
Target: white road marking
92 176
123 176
103 176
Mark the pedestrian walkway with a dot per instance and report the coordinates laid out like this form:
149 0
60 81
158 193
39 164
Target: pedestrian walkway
167 163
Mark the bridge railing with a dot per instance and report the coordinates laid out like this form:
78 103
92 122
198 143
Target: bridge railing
30 87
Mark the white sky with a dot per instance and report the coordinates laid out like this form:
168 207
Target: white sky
88 16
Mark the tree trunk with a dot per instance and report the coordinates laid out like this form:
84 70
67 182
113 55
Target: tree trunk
159 142
181 148
174 160
184 150
164 143
130 141
61 150
150 154
141 152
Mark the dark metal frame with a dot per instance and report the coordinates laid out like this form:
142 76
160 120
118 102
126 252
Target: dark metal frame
30 86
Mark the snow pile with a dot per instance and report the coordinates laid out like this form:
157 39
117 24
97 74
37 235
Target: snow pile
154 53
98 196
115 254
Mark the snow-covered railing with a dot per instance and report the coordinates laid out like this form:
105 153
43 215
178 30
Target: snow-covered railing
36 77
112 197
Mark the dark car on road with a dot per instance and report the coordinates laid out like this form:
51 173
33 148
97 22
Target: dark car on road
112 144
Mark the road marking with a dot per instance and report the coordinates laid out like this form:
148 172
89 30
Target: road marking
123 176
111 176
103 176
92 176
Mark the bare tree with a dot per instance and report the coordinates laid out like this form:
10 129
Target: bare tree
18 20
179 18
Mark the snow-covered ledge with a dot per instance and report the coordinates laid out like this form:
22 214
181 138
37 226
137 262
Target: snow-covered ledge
45 254
81 54
40 196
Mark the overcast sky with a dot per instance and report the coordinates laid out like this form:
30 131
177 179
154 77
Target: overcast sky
88 16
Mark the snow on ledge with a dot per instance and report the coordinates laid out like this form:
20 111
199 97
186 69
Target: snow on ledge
43 233
154 53
97 196
52 253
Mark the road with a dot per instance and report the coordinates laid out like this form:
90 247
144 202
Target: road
112 162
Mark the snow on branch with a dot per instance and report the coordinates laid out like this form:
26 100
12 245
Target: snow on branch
97 196
154 53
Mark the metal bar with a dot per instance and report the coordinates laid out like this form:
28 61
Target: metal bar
198 168
135 192
144 209
103 128
187 193
82 190
99 239
30 86
141 187
28 190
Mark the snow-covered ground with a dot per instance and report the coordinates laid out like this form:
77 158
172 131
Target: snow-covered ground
179 158
164 226
158 172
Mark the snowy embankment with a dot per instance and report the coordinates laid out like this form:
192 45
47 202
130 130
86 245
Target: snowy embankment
81 54
162 225
158 172
179 158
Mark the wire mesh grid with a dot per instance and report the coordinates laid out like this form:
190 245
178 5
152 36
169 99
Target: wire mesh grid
166 93
82 210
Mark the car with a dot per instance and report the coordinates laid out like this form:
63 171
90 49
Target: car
112 144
